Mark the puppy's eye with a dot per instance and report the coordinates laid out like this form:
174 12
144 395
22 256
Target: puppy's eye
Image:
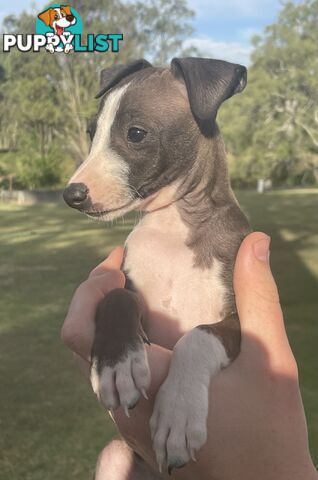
136 134
56 17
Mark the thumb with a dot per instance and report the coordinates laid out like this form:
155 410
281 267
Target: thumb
257 301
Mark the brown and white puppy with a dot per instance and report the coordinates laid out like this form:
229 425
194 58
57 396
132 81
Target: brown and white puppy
156 148
58 19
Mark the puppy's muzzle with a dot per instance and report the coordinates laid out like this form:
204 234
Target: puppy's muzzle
75 195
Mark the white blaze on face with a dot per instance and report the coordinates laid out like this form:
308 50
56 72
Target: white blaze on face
104 172
62 20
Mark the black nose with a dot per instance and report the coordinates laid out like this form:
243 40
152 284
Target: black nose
70 18
75 194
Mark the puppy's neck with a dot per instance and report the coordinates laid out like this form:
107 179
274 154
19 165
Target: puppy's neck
199 210
204 188
194 199
208 186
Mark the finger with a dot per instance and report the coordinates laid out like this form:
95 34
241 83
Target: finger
257 299
112 262
83 366
79 326
115 461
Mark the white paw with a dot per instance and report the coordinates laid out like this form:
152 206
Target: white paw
179 420
50 48
178 423
120 384
68 47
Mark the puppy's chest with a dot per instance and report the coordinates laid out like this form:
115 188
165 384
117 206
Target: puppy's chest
177 294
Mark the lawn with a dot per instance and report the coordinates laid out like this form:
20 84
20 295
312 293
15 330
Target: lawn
51 426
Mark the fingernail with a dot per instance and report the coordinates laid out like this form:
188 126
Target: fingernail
261 249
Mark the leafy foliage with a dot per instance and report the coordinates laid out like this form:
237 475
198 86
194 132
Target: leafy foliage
46 100
272 129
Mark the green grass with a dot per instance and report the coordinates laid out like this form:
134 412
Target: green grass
51 426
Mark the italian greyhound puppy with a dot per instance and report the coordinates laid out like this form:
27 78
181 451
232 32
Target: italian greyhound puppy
156 148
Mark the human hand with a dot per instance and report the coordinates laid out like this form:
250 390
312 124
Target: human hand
79 326
256 423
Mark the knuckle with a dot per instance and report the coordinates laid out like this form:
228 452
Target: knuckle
86 291
107 281
83 287
293 368
112 453
115 277
67 334
288 365
287 368
112 275
71 338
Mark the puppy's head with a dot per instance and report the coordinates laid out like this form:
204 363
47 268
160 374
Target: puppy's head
146 134
58 18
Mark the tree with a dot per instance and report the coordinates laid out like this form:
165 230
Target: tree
31 116
46 100
165 25
272 130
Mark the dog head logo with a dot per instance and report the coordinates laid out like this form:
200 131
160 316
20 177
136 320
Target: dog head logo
59 21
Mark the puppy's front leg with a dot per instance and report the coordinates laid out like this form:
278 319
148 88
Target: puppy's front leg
119 365
179 420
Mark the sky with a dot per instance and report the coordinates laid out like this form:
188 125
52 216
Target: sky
223 28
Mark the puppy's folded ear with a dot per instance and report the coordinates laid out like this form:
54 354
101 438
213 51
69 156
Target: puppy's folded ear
45 16
67 9
209 82
113 75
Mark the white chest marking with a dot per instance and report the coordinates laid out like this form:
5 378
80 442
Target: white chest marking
178 295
